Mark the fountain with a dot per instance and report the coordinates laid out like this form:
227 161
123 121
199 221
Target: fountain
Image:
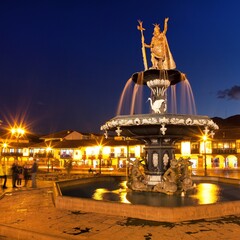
160 130
161 187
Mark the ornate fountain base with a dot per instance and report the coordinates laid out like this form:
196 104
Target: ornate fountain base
161 172
153 180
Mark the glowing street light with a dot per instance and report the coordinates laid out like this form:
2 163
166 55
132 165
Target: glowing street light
17 133
207 135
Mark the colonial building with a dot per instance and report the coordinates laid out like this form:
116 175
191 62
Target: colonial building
85 150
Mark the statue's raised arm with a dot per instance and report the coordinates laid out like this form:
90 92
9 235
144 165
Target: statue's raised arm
165 25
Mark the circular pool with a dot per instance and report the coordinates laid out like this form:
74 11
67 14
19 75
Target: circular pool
113 189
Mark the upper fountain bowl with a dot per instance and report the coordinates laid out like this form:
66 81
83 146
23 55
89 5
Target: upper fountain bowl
173 75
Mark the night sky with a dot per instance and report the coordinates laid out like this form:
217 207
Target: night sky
64 64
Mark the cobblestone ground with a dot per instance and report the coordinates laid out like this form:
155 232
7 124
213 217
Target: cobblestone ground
31 214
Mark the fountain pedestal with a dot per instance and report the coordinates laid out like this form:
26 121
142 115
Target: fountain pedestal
158 151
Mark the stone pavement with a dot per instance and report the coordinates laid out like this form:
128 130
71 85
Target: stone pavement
29 213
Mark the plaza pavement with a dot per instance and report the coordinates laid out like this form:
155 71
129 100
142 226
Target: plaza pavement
28 213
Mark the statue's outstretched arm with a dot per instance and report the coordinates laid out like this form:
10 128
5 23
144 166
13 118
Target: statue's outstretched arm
148 45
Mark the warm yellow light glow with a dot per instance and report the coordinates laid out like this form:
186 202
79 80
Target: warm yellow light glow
207 193
49 149
204 137
98 195
121 192
18 132
185 148
137 151
93 150
206 147
89 150
97 149
5 145
117 150
106 150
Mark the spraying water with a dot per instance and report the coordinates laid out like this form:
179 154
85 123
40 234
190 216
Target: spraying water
180 97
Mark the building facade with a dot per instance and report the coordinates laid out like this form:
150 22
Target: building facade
86 151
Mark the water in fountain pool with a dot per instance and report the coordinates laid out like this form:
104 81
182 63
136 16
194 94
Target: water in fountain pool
116 191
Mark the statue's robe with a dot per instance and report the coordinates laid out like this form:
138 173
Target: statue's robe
161 50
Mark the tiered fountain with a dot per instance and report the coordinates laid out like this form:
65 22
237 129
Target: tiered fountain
162 171
160 129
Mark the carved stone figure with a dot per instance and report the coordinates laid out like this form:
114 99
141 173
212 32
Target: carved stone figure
176 179
136 179
185 174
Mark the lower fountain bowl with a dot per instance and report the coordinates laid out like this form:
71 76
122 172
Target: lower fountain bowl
108 195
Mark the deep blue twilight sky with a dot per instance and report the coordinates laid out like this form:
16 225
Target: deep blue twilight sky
64 63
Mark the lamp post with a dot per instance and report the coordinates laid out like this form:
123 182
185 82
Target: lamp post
48 151
17 133
128 159
100 159
205 154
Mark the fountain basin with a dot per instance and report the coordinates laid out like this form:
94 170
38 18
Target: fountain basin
173 75
229 204
174 125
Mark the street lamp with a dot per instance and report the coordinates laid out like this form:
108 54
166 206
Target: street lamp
128 158
205 154
100 158
48 151
17 133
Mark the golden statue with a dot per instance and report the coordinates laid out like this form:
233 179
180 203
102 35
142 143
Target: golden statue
161 56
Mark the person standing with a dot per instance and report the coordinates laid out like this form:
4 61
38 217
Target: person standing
3 174
34 173
26 174
20 176
14 173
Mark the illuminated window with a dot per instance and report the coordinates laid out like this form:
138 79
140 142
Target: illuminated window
220 145
185 148
226 145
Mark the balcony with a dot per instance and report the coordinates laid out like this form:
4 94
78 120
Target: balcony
8 154
66 156
43 155
224 151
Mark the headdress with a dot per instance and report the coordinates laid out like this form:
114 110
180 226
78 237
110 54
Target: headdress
156 27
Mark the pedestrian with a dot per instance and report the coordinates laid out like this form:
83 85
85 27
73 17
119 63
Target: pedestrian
3 175
14 173
26 174
20 176
34 173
